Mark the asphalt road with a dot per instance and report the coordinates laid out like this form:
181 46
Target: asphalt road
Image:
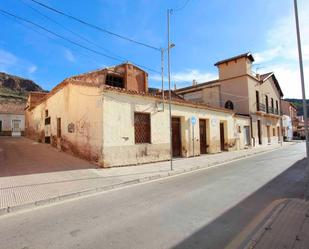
203 209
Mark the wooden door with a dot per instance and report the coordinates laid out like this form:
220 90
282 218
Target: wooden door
268 134
259 131
203 138
176 137
222 136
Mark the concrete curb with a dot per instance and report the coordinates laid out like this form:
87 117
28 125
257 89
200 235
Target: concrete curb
252 233
11 209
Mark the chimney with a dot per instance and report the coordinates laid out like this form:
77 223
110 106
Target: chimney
258 76
175 87
194 83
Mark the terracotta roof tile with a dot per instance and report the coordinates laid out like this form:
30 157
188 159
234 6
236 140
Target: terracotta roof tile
12 107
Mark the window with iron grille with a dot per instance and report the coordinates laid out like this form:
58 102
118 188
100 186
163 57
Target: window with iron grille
142 128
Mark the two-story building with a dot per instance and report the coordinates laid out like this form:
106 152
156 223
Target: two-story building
109 116
248 94
289 120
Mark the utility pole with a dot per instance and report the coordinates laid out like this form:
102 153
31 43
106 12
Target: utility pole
162 73
169 84
301 70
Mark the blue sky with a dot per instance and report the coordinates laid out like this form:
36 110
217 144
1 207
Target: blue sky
204 32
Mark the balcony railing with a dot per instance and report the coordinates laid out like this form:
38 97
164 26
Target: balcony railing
263 108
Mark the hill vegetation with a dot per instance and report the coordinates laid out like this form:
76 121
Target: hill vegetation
299 105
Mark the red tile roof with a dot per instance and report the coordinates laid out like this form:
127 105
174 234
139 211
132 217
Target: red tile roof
9 107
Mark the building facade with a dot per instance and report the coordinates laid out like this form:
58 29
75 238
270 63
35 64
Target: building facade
290 121
12 119
246 93
109 117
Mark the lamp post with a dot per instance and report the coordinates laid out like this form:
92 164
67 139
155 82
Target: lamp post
169 46
162 50
301 70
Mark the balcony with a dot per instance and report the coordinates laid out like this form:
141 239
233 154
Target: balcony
261 108
269 109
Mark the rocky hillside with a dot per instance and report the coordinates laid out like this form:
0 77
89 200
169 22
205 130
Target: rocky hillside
299 105
14 87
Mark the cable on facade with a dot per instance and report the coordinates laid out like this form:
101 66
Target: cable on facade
94 26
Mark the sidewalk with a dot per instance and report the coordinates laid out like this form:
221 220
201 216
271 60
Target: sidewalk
27 191
286 226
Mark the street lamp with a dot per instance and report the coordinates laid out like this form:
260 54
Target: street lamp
169 46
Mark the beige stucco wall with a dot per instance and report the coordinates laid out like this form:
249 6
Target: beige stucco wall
234 68
267 88
273 123
79 106
118 129
236 90
239 130
7 121
209 95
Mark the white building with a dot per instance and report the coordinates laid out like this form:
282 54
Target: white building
12 119
287 128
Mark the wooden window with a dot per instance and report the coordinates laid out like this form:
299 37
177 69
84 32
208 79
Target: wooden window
46 113
272 106
257 96
266 103
58 127
114 80
277 107
142 128
47 121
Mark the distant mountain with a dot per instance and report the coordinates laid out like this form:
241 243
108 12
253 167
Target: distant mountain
299 105
14 87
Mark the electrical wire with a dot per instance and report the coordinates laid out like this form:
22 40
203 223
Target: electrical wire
70 30
94 26
69 40
182 7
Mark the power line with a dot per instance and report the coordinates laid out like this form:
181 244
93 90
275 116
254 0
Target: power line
69 40
69 30
94 26
182 7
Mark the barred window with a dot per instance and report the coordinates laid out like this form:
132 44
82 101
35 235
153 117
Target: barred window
142 127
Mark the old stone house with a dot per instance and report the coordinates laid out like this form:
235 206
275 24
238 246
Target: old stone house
109 116
239 89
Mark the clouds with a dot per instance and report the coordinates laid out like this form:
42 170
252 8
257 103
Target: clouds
186 77
10 63
7 60
281 54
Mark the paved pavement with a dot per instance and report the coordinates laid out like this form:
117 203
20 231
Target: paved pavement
21 156
26 191
284 224
203 209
